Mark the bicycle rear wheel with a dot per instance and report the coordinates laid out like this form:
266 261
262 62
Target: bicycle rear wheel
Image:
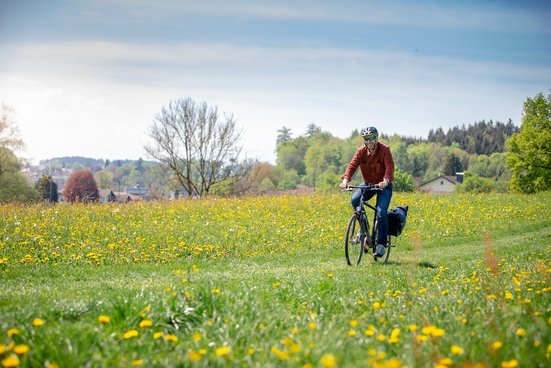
354 241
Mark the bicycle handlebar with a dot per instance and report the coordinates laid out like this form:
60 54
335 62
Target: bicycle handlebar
367 187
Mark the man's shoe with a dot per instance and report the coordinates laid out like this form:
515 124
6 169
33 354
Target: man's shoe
380 250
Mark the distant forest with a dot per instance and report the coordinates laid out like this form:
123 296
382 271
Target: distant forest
482 138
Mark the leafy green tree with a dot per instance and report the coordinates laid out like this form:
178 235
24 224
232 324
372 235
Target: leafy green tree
260 172
403 182
530 149
312 129
452 165
420 155
323 156
289 179
476 184
290 155
328 182
47 189
266 185
104 179
14 187
283 135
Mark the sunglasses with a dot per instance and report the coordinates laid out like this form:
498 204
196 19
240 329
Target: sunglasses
370 138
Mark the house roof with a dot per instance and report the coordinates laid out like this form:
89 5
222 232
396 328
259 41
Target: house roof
451 179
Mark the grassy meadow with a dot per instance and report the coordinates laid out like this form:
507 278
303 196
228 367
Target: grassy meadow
262 282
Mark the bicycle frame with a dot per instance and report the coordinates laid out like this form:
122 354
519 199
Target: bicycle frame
360 211
365 238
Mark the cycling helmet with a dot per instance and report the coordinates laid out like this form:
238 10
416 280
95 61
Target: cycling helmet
369 131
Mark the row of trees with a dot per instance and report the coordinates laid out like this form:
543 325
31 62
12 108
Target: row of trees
494 156
198 151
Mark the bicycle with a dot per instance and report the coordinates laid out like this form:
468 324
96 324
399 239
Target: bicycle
359 239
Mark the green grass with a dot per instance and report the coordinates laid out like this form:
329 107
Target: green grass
440 300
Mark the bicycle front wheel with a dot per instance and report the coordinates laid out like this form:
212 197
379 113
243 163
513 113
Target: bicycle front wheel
354 241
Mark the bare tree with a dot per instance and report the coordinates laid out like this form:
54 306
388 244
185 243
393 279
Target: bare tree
200 150
9 134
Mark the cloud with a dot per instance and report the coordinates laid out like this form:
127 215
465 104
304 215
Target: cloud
488 16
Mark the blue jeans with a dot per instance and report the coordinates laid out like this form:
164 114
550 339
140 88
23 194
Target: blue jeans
383 201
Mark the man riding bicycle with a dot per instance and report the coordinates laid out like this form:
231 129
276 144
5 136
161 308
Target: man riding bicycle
377 167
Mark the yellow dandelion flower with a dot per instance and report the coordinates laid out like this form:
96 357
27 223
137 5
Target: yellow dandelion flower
509 363
437 332
330 275
445 361
250 351
376 305
193 356
294 330
395 332
328 361
369 332
308 365
202 351
312 325
146 323
10 362
13 331
353 323
287 341
412 327
496 345
520 332
295 348
38 322
196 336
280 354
215 291
104 319
130 334
222 351
381 337
276 284
21 349
157 335
456 350
421 338
351 333
137 363
171 338
394 363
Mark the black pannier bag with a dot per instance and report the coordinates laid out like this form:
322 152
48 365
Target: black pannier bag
397 220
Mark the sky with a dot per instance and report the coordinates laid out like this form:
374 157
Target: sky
87 78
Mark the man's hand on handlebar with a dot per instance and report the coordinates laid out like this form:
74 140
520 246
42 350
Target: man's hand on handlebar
383 184
344 184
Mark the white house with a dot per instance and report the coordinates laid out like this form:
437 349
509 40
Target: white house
442 184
